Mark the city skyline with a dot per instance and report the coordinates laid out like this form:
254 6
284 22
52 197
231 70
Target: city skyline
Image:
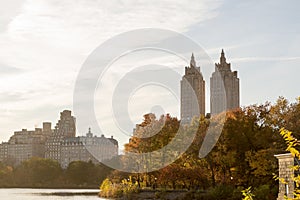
43 46
60 143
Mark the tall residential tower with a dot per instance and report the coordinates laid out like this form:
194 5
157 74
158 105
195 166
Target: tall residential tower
224 87
192 92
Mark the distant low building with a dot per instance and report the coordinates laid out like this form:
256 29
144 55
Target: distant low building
23 145
87 148
60 144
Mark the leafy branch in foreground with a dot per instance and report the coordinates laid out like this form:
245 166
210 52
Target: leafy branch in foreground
247 194
292 144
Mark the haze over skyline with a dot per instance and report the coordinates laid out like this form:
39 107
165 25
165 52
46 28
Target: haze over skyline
44 43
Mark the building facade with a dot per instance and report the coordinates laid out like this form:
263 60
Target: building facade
4 151
87 148
192 88
24 144
65 128
224 87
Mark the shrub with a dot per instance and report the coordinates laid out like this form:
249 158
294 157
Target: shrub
113 190
264 192
106 188
221 192
237 195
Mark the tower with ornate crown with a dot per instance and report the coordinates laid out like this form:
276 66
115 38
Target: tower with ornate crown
192 92
224 87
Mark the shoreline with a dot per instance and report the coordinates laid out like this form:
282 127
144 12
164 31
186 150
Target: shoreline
46 187
161 194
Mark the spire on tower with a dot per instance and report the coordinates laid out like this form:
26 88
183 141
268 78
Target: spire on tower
222 58
193 62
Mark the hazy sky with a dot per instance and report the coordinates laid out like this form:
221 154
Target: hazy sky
44 44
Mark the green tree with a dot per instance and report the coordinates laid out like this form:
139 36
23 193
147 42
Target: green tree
6 175
81 173
37 172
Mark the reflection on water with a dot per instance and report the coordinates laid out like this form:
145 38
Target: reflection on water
49 194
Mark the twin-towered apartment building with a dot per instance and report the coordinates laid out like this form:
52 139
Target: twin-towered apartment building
224 90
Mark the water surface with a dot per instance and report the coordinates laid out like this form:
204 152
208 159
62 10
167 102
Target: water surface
49 194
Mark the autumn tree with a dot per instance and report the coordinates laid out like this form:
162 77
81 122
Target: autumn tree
242 156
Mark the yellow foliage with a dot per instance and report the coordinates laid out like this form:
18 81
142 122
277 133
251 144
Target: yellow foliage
292 143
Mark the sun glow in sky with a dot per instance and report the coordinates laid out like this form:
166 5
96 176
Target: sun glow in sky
44 44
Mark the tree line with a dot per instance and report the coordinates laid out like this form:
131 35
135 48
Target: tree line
243 155
41 172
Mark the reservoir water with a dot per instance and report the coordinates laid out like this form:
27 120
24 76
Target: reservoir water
49 194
